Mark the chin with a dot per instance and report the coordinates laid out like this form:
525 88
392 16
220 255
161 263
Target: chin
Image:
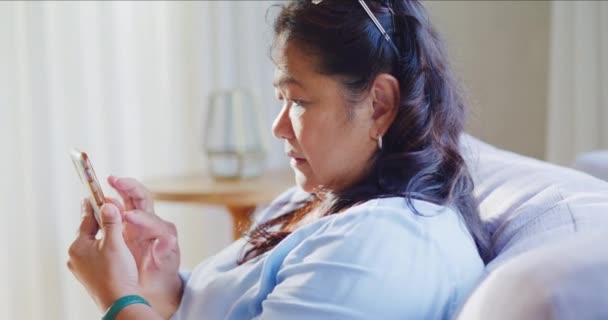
303 182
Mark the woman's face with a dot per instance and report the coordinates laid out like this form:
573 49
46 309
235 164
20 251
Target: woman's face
327 138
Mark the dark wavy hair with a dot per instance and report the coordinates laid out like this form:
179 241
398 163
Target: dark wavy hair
420 158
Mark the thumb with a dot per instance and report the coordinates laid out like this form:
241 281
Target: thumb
111 220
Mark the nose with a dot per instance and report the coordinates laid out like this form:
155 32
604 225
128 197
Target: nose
281 127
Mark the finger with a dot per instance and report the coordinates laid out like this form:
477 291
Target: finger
134 191
128 202
146 226
88 226
117 203
111 222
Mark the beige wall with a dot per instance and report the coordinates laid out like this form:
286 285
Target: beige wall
500 50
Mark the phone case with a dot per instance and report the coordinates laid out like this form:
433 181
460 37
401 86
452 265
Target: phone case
89 181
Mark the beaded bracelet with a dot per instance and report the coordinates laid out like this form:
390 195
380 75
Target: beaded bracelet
120 304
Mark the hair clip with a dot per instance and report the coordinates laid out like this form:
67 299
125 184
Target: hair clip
390 9
375 21
379 26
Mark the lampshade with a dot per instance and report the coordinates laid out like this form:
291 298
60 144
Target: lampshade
233 138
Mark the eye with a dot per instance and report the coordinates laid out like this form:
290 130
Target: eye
292 102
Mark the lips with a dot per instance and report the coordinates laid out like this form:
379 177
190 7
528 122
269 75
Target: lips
292 154
296 160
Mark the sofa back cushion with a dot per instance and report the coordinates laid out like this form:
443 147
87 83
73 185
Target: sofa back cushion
565 279
549 229
526 202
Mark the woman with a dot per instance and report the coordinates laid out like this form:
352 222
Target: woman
382 224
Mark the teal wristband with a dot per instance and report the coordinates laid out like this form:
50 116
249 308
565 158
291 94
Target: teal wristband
120 304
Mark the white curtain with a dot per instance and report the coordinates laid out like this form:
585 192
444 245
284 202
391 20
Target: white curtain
128 83
578 79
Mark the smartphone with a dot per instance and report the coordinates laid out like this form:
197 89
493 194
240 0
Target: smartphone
85 171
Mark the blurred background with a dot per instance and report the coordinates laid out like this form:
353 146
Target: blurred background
129 83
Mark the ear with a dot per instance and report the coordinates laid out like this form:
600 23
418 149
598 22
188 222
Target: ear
385 103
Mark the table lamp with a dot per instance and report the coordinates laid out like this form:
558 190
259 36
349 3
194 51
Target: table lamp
233 140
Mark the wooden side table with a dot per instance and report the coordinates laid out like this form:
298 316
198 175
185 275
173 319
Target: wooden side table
240 197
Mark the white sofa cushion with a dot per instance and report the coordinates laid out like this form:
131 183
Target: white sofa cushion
566 279
526 202
549 229
594 163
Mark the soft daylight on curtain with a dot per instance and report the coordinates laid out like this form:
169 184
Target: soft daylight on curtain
128 83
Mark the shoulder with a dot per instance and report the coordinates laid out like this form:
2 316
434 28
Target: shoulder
389 229
434 236
391 217
381 246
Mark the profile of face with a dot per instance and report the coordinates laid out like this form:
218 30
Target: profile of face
330 139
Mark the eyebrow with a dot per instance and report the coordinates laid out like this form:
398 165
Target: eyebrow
285 81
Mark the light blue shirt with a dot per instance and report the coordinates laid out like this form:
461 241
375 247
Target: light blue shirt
376 260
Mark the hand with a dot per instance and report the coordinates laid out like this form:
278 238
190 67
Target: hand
153 242
105 267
